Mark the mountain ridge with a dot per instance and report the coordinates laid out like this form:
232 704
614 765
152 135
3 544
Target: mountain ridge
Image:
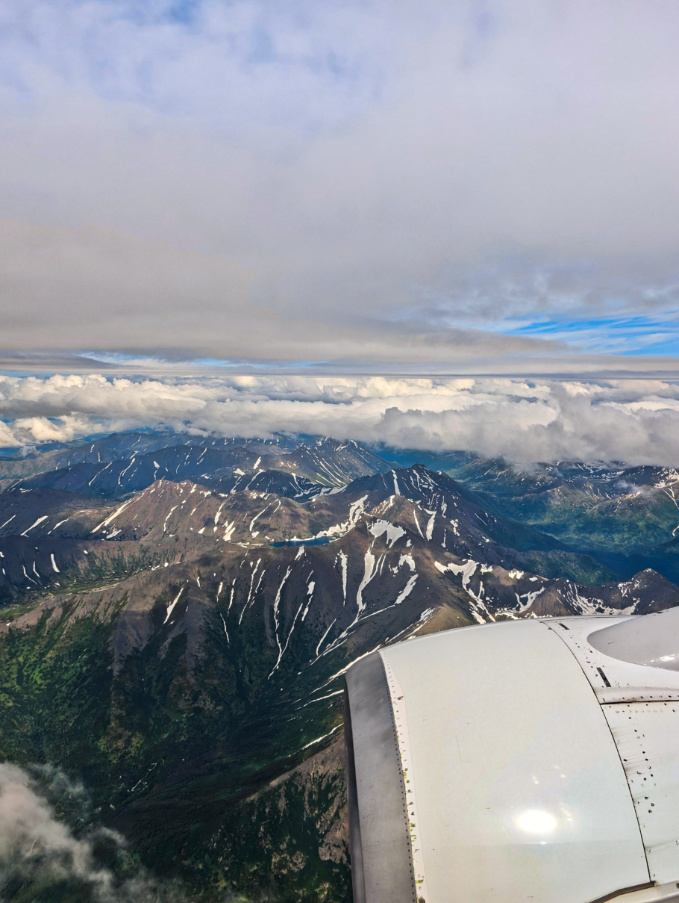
181 649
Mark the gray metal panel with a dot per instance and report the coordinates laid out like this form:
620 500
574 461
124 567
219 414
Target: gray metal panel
606 673
382 814
647 736
649 640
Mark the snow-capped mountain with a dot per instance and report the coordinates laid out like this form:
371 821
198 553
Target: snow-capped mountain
177 620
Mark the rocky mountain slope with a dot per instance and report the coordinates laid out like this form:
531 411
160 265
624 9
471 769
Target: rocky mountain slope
178 642
627 517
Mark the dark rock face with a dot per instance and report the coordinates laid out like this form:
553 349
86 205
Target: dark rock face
178 617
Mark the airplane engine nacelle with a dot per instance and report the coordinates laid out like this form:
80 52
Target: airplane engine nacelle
524 760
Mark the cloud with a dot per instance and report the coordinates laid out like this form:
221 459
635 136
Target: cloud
142 295
524 421
288 65
39 850
360 181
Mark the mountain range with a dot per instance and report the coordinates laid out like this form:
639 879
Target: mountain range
178 613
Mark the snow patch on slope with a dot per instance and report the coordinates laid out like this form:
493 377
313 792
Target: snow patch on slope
393 531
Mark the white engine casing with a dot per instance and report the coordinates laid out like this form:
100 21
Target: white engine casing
524 760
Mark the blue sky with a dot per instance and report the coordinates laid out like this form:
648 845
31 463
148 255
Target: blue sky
634 335
356 183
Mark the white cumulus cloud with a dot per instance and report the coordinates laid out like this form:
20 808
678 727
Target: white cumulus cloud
630 420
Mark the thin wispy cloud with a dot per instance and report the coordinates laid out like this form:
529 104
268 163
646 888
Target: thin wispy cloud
613 335
42 855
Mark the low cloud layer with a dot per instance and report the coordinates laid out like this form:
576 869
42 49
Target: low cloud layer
525 421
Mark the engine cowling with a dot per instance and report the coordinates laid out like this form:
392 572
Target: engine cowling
517 761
